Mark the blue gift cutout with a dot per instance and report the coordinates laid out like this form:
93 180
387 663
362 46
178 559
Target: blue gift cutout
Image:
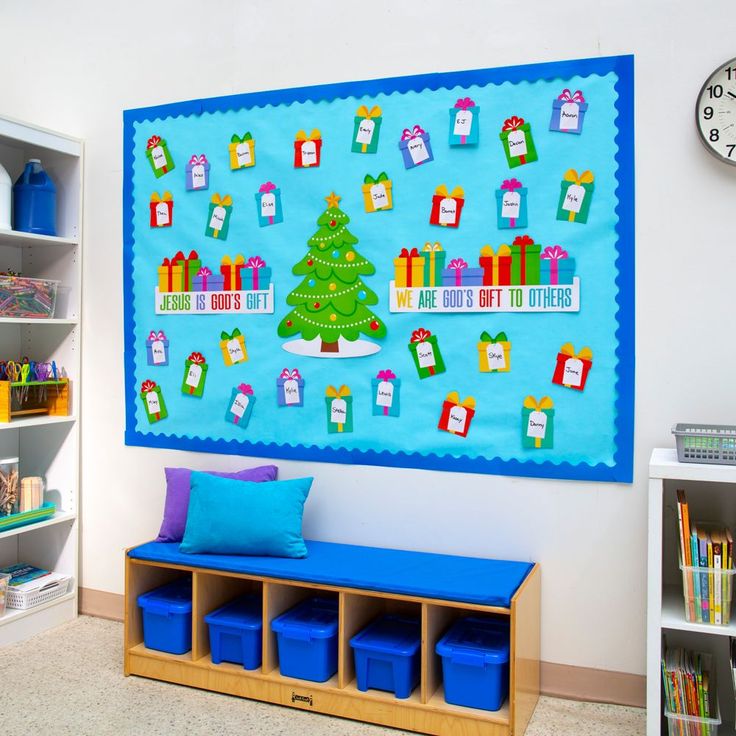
386 401
268 203
240 406
157 346
415 147
198 173
511 200
464 123
290 388
568 112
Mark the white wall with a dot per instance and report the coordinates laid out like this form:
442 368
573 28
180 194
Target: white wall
74 66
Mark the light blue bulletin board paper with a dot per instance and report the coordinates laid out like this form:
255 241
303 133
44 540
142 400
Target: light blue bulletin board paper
593 428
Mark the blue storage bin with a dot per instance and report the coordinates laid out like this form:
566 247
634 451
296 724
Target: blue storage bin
167 617
307 640
236 632
387 655
475 662
34 201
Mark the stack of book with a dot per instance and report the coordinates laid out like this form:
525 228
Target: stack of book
690 693
706 561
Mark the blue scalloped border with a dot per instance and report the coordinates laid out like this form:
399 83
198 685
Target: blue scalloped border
622 469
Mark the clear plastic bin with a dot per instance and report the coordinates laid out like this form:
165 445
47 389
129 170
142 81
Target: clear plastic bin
707 593
681 725
27 298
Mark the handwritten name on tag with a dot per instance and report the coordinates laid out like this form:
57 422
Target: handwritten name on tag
573 372
425 355
537 425
217 221
496 356
517 143
574 198
417 150
242 154
309 153
291 391
240 405
268 205
385 394
198 179
194 375
463 122
569 116
379 196
162 214
235 350
152 402
448 211
338 411
365 131
159 157
511 205
457 419
159 352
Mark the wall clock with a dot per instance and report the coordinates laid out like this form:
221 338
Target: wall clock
715 113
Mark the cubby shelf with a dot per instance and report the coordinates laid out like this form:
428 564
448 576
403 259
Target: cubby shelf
47 322
29 240
37 422
62 517
15 614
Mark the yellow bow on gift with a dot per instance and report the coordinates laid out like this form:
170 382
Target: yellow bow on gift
544 403
568 349
337 393
364 112
585 178
487 252
315 135
225 201
457 192
167 197
432 247
454 398
239 260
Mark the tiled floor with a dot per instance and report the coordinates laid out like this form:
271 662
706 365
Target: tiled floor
70 681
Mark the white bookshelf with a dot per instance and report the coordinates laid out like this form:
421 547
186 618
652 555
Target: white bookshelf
46 446
711 495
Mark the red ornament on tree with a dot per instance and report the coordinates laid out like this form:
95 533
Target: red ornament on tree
289 323
374 325
310 262
316 305
333 223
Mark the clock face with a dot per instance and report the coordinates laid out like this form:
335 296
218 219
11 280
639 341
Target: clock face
715 113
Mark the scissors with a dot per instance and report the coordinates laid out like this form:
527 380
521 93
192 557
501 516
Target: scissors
18 372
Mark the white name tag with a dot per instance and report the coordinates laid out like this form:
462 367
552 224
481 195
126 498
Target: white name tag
517 143
242 154
159 157
235 350
425 355
309 153
338 411
569 116
573 372
218 218
268 205
537 426
496 356
239 405
365 131
511 205
385 394
463 122
457 419
448 211
417 151
574 198
159 352
152 402
198 180
379 196
194 375
291 391
162 214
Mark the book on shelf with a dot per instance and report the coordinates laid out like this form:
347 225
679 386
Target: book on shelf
689 683
22 573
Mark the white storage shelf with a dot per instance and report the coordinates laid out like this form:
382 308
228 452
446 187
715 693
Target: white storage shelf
46 446
711 495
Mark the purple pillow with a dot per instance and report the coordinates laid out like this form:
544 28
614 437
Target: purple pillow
177 496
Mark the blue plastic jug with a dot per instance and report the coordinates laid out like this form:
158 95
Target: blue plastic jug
34 201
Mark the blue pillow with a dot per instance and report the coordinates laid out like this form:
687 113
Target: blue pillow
237 517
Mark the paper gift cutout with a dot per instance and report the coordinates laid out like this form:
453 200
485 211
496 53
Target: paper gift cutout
409 268
256 275
190 265
268 205
367 126
537 423
457 415
195 373
458 273
157 348
496 265
571 370
464 123
377 193
339 405
290 388
415 147
494 353
162 210
556 266
447 208
240 406
233 347
205 280
242 151
525 263
153 401
386 394
518 144
425 351
170 276
307 149
232 272
434 264
568 112
218 217
157 153
575 196
198 173
511 208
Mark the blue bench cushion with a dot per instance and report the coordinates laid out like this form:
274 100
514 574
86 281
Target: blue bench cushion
446 577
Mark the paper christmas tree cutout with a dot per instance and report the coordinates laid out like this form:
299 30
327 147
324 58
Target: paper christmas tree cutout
330 305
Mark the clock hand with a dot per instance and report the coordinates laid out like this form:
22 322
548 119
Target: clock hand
731 94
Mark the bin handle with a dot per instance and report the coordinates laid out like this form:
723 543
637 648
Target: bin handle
296 632
160 609
468 658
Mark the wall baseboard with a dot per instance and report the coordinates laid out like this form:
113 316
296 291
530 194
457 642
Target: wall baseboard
558 680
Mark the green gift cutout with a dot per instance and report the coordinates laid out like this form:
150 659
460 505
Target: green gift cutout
218 217
367 124
195 373
425 351
158 155
339 405
576 194
525 262
537 423
518 144
153 401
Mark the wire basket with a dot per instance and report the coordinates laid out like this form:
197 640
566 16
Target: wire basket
706 443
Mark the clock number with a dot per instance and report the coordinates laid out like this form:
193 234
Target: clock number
708 113
730 71
715 90
714 134
730 148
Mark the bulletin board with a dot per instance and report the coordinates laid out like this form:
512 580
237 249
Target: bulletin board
433 271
